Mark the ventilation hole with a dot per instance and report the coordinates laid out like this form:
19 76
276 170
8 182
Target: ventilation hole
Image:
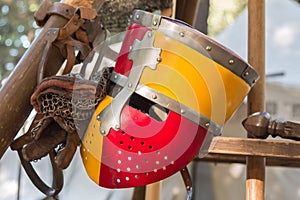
85 158
150 147
129 158
146 160
172 162
128 169
166 157
139 153
132 138
119 170
157 162
123 132
142 143
158 152
83 149
164 168
119 162
118 181
129 147
155 170
137 166
127 178
136 176
146 173
121 142
119 152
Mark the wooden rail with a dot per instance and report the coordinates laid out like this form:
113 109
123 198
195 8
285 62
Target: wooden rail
236 150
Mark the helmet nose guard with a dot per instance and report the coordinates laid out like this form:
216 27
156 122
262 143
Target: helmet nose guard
110 116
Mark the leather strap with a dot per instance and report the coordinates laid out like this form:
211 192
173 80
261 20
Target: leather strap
47 8
57 181
187 182
80 31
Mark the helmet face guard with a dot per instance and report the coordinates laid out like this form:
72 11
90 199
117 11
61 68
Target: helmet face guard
172 90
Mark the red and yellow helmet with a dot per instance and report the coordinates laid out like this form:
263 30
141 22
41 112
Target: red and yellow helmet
172 90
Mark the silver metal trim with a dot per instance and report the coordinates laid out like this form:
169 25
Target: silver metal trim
170 104
198 41
110 116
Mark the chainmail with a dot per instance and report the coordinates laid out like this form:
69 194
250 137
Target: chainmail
71 107
116 14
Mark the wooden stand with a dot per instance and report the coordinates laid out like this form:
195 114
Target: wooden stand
255 184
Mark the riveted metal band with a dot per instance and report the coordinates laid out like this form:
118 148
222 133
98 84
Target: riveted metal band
198 41
168 103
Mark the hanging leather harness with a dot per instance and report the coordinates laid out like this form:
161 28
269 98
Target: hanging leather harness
54 130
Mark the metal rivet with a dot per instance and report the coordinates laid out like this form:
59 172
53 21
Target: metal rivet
102 132
137 17
116 76
246 73
154 96
150 34
207 124
117 126
154 22
98 117
181 34
208 48
182 111
231 61
158 59
129 85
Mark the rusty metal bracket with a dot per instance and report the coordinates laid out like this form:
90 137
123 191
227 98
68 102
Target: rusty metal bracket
260 125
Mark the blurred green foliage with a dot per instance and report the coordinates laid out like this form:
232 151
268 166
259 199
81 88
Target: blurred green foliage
17 30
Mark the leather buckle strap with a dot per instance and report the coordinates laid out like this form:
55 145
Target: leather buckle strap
47 8
57 181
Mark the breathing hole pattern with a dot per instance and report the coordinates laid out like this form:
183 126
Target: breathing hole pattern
130 160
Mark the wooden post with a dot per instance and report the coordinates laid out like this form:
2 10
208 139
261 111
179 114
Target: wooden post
256 100
153 191
15 94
